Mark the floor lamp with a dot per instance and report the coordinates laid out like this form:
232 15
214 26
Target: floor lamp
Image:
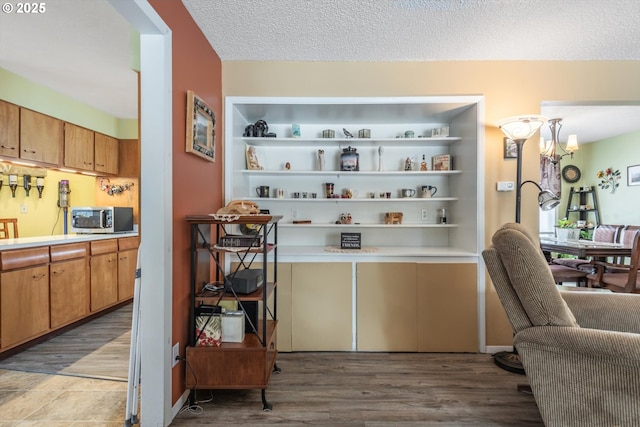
519 129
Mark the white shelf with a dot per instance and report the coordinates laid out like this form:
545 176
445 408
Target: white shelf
376 225
354 200
347 173
354 142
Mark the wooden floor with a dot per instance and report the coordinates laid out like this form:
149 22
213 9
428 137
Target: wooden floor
375 389
322 389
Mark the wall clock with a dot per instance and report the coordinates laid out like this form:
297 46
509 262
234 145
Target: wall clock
571 173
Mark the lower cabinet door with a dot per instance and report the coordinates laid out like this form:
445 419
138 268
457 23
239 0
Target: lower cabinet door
69 284
127 261
104 280
321 310
24 304
387 310
448 307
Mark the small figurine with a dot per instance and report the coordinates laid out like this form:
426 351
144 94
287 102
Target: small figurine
321 160
287 166
252 159
347 133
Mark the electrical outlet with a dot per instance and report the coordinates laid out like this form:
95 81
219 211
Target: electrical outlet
423 215
175 354
23 208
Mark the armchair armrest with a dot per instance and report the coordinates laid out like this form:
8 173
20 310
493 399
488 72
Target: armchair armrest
605 311
611 347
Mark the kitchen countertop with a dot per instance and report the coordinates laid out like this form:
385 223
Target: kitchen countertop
60 239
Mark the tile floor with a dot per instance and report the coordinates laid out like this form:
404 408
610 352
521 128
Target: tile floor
34 399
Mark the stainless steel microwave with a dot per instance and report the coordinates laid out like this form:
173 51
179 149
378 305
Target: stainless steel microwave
101 219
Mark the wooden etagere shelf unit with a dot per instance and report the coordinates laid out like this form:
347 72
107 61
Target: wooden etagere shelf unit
247 364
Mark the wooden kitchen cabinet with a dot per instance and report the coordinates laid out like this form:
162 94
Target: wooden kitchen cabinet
127 263
41 138
9 130
321 306
106 154
69 283
24 295
448 307
386 306
78 147
104 274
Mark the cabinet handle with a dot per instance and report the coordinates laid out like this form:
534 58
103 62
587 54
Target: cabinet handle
87 163
99 164
58 272
29 151
7 148
38 276
123 257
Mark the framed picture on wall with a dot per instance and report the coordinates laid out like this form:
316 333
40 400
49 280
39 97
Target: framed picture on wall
201 133
633 175
510 149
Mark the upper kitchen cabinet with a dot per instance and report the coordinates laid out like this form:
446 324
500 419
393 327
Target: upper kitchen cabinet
9 130
106 154
41 137
78 147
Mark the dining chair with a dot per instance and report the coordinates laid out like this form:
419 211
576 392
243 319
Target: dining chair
5 224
619 277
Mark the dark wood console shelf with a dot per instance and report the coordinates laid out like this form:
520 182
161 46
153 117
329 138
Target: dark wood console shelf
250 363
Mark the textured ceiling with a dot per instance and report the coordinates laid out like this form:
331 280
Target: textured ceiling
81 48
420 30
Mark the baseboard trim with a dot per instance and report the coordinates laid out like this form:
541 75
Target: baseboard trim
175 410
491 349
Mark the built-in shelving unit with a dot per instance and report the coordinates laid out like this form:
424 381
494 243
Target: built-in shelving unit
291 163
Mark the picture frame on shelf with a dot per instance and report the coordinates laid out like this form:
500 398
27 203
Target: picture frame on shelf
201 122
510 149
633 175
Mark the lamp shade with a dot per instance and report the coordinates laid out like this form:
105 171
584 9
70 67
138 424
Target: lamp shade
547 200
572 143
521 127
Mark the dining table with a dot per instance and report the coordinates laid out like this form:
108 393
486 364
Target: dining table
584 248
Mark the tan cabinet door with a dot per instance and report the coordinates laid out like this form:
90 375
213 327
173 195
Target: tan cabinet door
9 130
106 154
447 307
127 261
69 287
386 307
24 304
40 137
321 306
284 306
104 280
78 147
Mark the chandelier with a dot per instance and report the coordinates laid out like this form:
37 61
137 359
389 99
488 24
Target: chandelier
553 150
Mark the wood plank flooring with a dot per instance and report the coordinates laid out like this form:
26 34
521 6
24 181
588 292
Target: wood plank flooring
322 389
375 389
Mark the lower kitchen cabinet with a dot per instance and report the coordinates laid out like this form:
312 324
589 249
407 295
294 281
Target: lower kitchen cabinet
386 306
127 264
69 291
321 309
104 274
24 304
447 301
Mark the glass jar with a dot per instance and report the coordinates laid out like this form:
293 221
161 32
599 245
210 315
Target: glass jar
349 159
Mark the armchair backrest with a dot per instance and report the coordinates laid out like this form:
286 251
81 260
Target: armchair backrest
607 233
520 273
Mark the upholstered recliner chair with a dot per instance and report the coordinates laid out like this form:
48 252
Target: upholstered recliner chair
580 350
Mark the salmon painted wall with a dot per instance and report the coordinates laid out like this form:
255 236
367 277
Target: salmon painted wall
197 183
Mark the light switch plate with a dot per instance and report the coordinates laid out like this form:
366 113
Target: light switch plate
506 186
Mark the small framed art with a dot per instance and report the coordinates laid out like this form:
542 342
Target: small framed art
510 149
201 133
633 175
